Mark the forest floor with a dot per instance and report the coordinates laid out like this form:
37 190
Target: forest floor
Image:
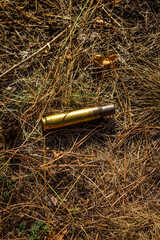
100 179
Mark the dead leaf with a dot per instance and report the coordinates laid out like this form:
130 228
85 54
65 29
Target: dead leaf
69 55
99 20
53 200
99 23
19 8
82 37
24 54
57 154
55 236
52 234
116 2
93 36
101 61
50 200
113 58
62 235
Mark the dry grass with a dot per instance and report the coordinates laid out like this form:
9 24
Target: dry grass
99 180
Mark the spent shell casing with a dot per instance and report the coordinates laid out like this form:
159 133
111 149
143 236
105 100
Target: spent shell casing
78 116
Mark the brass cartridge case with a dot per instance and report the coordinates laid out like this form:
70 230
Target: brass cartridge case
78 116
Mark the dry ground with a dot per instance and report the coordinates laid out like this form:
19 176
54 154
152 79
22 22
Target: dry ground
98 180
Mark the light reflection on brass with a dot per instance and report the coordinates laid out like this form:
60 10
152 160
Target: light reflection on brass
78 116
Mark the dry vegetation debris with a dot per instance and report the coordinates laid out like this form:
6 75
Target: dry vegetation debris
98 180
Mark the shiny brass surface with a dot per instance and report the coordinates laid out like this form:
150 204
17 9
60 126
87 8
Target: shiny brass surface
78 116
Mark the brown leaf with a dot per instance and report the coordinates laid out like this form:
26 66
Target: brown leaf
101 61
52 234
57 154
62 235
99 23
113 58
116 2
19 8
69 56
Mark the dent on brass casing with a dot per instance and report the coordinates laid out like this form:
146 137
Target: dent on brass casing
78 116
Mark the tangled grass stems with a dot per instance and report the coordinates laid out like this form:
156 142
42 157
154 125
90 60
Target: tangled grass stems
98 180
